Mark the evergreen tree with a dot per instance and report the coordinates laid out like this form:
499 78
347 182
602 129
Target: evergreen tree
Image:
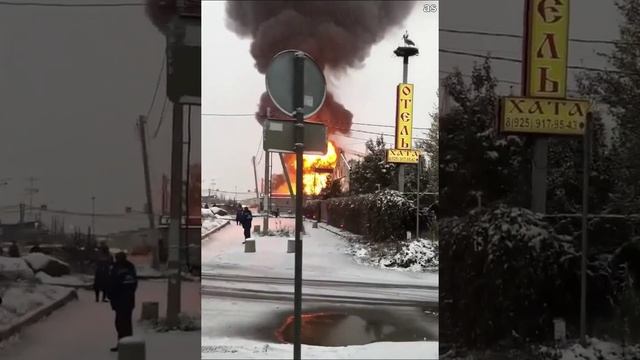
372 172
478 166
619 89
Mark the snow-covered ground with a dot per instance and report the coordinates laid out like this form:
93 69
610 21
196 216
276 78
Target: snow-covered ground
232 348
595 350
212 224
21 298
247 296
84 329
77 280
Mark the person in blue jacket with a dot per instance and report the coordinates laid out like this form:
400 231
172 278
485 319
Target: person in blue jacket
246 219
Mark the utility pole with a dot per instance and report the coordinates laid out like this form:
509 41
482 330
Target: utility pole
173 290
585 226
286 176
142 120
93 215
31 190
255 175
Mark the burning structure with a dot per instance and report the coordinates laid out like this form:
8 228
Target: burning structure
338 35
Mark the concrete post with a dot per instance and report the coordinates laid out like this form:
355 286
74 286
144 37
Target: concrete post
131 348
150 311
250 246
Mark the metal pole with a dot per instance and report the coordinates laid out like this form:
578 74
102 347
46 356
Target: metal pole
539 175
173 290
286 176
142 120
267 186
585 211
255 175
405 76
298 86
93 215
418 199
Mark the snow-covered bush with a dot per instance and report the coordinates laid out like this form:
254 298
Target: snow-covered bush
418 254
381 217
413 255
506 272
14 269
49 265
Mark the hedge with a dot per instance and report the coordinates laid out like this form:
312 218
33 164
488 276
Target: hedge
382 216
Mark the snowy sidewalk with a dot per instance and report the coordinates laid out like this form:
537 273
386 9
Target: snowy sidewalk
84 330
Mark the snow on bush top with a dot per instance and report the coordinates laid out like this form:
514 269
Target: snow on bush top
38 261
14 269
19 300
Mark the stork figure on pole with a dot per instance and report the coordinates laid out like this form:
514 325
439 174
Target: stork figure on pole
406 39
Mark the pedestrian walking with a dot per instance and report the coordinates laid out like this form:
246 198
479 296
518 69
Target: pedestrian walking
104 262
277 212
123 282
13 250
239 214
246 219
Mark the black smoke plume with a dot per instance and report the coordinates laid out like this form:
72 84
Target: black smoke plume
337 34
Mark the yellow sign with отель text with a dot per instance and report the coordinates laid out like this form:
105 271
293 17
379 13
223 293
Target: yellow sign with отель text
543 116
547 48
404 116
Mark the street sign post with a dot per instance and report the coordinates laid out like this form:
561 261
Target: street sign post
297 87
279 136
543 109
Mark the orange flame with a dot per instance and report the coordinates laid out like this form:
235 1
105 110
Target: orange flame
316 170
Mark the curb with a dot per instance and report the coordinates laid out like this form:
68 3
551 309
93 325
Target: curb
36 315
215 230
342 233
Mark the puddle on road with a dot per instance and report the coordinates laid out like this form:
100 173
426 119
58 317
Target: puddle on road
340 329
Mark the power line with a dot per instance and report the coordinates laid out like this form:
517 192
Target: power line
225 115
387 126
510 82
502 58
155 91
164 106
516 36
81 5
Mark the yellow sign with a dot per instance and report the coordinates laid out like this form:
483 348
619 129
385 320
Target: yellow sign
403 156
404 116
543 116
547 48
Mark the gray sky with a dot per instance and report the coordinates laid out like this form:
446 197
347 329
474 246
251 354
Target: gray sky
72 84
232 85
590 19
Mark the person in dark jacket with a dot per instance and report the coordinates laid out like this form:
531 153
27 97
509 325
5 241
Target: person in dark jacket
13 250
246 219
239 215
123 282
101 277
